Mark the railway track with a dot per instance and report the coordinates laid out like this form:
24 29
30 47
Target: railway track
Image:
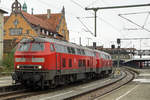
126 77
24 93
97 93
10 88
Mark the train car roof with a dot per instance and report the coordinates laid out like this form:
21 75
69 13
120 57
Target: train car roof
102 52
39 39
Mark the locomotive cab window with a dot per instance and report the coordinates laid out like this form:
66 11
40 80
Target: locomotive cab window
24 47
37 47
52 47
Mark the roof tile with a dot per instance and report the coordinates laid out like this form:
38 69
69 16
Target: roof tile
38 21
42 20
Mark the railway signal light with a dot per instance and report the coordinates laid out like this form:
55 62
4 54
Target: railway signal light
118 41
113 46
94 45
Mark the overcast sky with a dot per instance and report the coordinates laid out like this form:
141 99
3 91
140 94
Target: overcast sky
109 25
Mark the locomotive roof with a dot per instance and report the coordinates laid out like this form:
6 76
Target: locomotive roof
39 39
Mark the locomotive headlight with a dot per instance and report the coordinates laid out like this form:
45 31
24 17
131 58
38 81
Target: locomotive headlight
39 67
18 67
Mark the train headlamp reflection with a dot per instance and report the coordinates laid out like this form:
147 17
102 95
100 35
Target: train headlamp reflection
18 67
39 67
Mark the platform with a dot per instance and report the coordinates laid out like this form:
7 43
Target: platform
5 81
138 89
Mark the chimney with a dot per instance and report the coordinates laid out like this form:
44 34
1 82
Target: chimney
48 13
32 11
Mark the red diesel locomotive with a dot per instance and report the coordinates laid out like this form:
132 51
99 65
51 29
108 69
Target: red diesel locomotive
44 62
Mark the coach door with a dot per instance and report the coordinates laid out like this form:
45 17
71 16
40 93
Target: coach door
97 62
58 63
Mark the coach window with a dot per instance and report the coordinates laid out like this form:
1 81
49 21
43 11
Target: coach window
100 56
83 53
95 54
73 50
78 51
80 63
64 62
70 62
52 47
69 50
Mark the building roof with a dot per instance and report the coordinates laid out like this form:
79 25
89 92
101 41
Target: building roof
41 20
3 11
54 19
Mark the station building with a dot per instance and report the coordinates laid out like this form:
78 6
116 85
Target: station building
20 24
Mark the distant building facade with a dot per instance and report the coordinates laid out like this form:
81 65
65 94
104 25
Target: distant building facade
20 24
124 53
1 33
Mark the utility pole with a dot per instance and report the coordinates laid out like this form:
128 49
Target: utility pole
80 41
113 7
89 41
95 10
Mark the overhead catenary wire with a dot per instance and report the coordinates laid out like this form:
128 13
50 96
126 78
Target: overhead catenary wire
141 26
108 23
93 2
85 26
146 19
134 23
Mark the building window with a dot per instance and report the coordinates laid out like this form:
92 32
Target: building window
16 22
4 33
47 33
63 32
27 31
15 31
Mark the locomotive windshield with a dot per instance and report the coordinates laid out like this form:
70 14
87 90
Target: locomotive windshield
33 46
24 47
37 47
